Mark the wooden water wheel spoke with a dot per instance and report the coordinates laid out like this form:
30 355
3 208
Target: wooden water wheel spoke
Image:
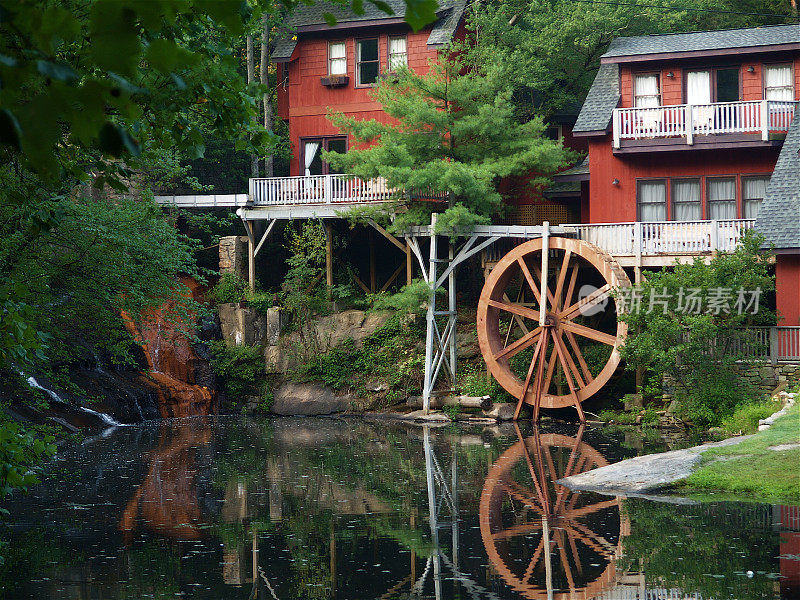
516 530
589 543
576 557
562 275
523 267
588 332
587 375
516 309
562 551
556 323
540 486
568 471
525 341
595 297
524 496
534 560
576 513
580 528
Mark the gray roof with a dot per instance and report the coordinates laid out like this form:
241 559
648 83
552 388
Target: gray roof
704 40
779 217
450 13
577 173
601 100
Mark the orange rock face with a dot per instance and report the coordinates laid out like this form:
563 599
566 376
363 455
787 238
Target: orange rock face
171 358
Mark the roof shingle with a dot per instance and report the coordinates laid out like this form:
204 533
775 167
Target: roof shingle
601 100
779 217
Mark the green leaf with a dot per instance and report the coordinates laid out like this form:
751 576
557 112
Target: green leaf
57 71
114 38
357 6
419 13
10 132
115 140
8 61
330 19
178 81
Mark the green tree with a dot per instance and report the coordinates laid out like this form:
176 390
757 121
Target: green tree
453 131
699 346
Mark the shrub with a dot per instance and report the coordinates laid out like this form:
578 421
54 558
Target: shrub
411 298
746 417
474 382
241 368
230 288
261 301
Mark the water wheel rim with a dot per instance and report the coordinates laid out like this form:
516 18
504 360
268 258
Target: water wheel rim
488 315
491 498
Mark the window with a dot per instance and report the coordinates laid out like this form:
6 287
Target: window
337 58
367 62
753 191
398 52
727 84
652 200
778 82
311 160
686 204
721 198
646 91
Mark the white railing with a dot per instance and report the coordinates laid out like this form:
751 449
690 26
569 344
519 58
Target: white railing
664 237
318 189
688 120
203 201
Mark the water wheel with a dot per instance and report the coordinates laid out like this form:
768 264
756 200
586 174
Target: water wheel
542 539
562 355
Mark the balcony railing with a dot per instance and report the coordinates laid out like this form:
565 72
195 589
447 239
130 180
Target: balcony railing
761 117
665 237
318 189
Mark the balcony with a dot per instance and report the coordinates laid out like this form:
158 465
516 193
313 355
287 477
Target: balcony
682 124
318 189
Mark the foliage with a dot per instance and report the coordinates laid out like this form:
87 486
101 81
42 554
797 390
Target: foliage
389 355
475 382
230 288
453 132
20 454
700 351
746 417
241 369
622 417
549 50
752 467
411 298
261 301
452 411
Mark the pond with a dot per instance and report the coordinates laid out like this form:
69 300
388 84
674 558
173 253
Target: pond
279 509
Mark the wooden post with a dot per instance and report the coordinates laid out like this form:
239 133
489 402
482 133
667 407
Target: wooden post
329 255
372 277
409 265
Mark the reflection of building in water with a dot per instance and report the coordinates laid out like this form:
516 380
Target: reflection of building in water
166 501
544 540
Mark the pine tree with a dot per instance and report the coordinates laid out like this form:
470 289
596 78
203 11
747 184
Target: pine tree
453 130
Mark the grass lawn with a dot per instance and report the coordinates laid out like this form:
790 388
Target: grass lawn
751 468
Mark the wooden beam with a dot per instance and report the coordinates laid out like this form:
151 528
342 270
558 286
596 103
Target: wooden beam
265 236
392 278
409 265
328 255
251 256
388 236
360 283
373 284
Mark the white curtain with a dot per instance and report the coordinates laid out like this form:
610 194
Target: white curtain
753 190
778 84
309 154
721 198
652 201
646 91
698 87
398 53
686 200
338 58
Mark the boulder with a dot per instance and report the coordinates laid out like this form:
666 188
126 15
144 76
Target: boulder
307 399
502 411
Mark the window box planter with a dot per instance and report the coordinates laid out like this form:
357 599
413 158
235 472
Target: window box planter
334 80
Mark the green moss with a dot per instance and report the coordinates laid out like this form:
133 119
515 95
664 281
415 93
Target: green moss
751 468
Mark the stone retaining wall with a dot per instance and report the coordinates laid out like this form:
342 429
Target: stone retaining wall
763 376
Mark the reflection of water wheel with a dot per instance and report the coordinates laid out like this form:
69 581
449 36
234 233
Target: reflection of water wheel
522 511
575 346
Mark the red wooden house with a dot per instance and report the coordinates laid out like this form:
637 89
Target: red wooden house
684 134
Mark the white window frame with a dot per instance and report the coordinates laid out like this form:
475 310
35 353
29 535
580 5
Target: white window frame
637 95
360 62
746 200
337 60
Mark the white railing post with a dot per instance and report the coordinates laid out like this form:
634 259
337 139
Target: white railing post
765 120
714 235
773 345
328 189
637 242
688 125
615 127
250 185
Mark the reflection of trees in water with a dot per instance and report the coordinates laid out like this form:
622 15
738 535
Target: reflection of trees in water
704 548
544 540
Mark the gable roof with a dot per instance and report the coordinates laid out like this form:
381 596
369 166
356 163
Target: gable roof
698 41
311 18
602 99
779 217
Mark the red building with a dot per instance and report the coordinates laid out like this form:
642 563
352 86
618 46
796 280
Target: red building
689 128
323 68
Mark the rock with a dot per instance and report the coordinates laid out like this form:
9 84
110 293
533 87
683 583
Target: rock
307 399
502 411
277 320
233 255
242 325
419 415
763 427
632 401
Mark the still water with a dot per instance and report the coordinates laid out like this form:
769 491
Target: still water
341 508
